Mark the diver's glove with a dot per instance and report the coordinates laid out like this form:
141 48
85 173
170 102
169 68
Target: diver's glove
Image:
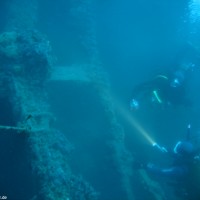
134 104
162 149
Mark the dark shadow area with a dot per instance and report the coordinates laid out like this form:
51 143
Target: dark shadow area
17 181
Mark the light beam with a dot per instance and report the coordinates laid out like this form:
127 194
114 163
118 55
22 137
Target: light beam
126 114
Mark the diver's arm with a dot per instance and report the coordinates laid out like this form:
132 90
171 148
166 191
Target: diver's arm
143 87
136 96
169 152
139 92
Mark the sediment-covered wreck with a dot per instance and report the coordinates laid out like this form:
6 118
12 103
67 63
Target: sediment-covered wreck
53 117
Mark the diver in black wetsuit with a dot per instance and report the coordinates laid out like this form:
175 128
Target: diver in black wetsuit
163 90
168 88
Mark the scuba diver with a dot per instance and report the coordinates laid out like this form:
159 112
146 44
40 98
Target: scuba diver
185 169
183 153
168 89
163 89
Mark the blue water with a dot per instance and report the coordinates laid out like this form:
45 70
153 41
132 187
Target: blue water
134 40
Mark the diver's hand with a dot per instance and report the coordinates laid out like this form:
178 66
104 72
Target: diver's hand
162 149
134 104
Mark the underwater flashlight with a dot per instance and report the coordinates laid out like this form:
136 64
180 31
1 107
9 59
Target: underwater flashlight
162 149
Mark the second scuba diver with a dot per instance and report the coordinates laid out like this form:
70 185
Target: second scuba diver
185 169
168 89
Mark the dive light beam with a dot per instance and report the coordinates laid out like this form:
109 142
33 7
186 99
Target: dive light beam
129 118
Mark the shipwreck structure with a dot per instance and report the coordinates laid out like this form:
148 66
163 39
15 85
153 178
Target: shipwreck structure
60 137
39 148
